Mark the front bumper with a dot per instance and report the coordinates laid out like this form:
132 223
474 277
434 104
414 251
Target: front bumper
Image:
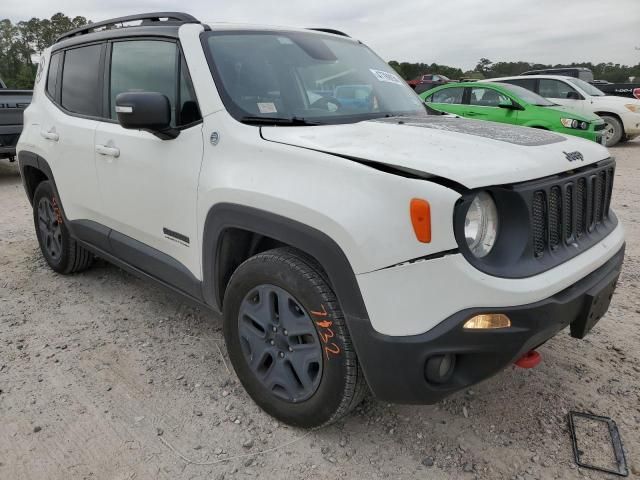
586 134
395 366
631 124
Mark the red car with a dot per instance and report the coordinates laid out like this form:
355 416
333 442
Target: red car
427 82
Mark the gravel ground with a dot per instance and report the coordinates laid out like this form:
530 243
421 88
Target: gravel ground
104 376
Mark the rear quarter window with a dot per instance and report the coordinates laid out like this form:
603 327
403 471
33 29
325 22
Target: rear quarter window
52 75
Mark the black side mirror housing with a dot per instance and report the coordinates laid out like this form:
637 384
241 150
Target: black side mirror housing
511 106
573 95
149 111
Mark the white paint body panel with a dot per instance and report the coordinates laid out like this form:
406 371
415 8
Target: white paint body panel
471 160
413 298
364 210
151 185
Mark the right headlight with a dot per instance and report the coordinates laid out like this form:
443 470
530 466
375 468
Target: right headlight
481 225
573 123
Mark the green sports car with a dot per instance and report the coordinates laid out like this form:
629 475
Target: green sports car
506 103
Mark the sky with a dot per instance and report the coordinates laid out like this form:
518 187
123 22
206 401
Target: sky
456 33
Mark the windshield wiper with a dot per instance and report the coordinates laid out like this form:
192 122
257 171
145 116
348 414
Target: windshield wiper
293 121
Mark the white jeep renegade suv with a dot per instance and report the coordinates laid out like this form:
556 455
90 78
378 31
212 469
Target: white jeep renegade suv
351 241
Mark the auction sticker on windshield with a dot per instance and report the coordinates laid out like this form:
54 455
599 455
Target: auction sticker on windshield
267 107
386 76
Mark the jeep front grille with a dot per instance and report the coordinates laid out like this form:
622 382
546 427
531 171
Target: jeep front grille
564 212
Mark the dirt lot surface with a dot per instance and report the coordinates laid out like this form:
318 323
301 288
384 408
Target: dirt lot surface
104 376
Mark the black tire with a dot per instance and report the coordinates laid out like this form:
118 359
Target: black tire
339 385
62 253
613 132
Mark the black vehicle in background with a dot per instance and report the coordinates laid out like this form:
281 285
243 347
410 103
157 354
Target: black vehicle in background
12 105
631 90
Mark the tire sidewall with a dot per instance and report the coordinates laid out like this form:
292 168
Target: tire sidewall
45 189
320 407
618 129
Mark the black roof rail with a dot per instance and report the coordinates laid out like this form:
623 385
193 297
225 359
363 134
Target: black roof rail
145 17
330 30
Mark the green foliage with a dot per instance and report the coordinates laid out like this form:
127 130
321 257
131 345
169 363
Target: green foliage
409 71
485 68
21 44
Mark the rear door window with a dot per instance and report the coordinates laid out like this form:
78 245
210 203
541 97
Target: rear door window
551 88
81 81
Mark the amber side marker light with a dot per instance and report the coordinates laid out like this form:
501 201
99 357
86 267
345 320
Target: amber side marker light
421 219
487 321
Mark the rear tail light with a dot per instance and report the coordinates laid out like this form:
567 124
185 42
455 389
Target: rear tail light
636 93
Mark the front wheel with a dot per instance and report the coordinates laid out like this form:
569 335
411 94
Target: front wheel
288 341
613 130
59 249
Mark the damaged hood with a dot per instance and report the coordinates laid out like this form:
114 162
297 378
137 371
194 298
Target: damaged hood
473 153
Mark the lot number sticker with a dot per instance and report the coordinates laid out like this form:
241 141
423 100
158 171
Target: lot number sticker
386 76
267 107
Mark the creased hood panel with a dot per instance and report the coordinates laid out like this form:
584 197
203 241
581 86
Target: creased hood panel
470 152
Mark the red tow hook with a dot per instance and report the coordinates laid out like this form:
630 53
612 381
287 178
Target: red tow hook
530 359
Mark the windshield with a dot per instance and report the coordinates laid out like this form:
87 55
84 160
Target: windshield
527 95
302 78
587 87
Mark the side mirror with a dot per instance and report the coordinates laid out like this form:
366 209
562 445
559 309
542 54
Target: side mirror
573 95
149 111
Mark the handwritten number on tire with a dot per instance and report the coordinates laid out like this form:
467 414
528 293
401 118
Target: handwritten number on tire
325 330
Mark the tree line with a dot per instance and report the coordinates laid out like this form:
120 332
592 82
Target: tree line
23 42
485 68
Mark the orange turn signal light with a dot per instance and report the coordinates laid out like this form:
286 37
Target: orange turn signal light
421 219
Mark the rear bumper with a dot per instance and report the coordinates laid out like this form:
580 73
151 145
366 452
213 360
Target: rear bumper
395 366
7 152
9 135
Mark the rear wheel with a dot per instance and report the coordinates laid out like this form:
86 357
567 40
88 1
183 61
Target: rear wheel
62 253
613 130
288 341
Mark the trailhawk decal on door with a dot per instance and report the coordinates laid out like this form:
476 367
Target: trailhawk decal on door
176 237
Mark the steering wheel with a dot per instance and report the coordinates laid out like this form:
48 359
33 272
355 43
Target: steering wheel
324 102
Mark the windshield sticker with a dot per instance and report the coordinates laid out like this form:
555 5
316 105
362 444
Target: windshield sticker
267 107
386 76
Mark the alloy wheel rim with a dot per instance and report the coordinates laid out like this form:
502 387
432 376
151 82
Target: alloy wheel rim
50 229
609 131
280 343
